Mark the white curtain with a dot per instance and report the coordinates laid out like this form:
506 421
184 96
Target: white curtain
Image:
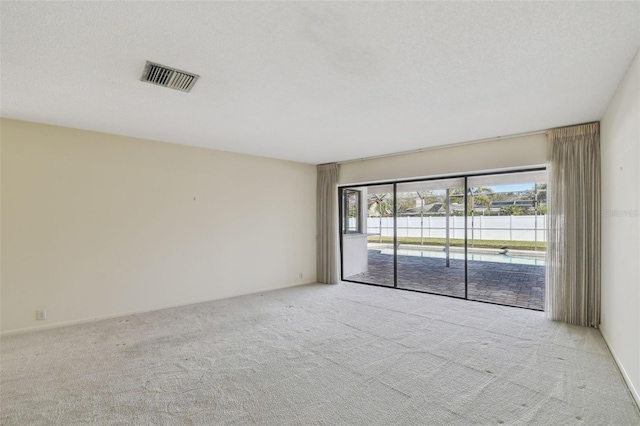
327 230
573 242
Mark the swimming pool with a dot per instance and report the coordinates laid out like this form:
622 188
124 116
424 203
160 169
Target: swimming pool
481 256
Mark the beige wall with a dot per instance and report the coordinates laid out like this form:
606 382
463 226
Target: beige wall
620 144
498 154
97 225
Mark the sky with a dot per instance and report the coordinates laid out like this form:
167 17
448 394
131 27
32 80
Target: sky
512 188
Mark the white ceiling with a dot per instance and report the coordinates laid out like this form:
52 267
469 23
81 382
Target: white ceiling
316 81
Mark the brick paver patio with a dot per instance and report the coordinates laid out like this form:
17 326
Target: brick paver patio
504 283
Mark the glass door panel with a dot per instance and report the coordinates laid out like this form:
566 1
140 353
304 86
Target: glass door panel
367 254
506 231
431 235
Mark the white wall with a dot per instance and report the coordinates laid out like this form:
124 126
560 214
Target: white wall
97 225
498 154
620 145
354 249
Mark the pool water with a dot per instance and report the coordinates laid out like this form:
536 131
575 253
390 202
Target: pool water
481 257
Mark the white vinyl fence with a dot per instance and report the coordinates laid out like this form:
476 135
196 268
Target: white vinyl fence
510 228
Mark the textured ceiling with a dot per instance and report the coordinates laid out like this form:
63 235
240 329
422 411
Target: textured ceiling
316 81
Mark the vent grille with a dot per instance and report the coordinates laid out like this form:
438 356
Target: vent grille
169 77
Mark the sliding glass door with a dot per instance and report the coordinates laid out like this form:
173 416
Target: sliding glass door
430 236
479 237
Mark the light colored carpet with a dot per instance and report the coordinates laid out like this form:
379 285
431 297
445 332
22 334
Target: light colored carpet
347 354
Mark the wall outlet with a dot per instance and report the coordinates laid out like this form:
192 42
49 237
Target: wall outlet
41 315
300 275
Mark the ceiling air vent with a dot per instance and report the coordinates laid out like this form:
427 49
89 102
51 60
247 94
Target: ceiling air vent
169 77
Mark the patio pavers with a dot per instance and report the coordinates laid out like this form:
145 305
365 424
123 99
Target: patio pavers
504 283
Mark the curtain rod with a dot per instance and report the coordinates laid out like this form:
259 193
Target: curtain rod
451 145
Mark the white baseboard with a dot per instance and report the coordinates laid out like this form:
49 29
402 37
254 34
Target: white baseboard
625 375
140 311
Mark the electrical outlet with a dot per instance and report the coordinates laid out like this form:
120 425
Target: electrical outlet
300 275
41 315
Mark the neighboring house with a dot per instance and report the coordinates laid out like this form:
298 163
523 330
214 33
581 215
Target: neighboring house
426 210
498 207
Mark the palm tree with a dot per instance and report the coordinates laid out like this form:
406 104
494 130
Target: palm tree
481 195
383 205
382 202
478 195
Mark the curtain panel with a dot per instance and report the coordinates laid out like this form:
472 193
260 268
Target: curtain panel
327 230
572 292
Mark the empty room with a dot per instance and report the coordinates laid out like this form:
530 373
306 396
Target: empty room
319 213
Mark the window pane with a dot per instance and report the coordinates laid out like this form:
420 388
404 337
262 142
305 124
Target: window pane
352 211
